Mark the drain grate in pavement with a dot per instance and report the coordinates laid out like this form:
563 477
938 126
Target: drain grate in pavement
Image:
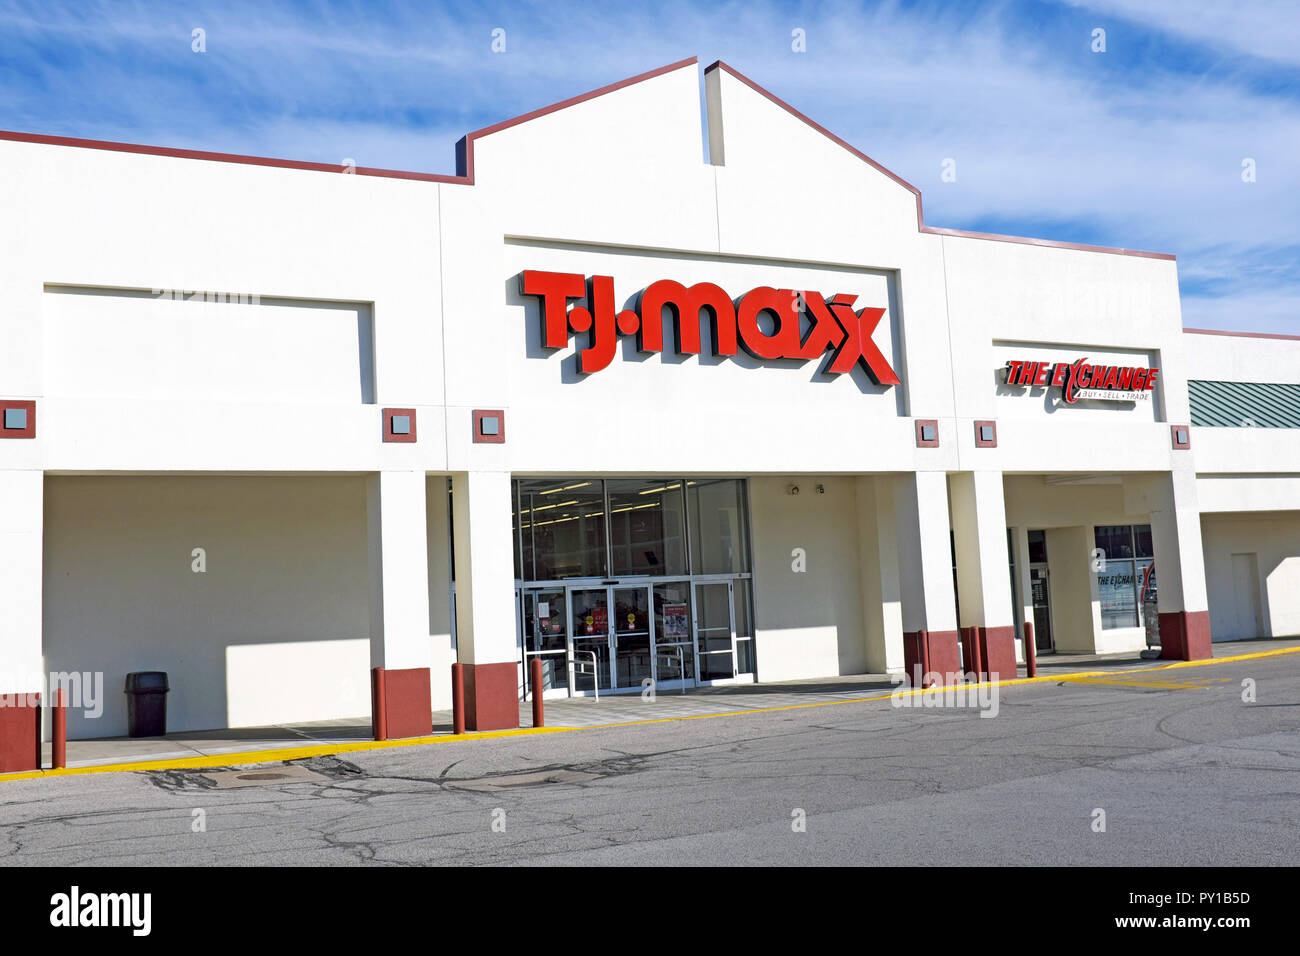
226 779
510 781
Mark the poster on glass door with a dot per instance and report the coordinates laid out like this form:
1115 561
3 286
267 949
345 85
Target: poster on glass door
677 625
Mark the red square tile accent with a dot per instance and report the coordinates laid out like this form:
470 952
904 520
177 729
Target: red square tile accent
489 426
1181 435
924 425
989 441
407 414
29 431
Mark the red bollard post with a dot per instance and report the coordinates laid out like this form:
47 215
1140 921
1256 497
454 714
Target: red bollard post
1031 660
458 698
60 717
378 718
535 666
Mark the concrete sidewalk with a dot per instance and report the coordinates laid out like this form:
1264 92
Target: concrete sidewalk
200 743
583 711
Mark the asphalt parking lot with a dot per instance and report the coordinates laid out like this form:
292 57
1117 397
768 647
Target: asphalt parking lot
1137 768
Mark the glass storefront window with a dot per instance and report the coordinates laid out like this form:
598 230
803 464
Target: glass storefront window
1115 541
647 527
514 530
1120 578
1115 588
1143 548
1144 574
719 526
1038 547
575 527
563 526
740 589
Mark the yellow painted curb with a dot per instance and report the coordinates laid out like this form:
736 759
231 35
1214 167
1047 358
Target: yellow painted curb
1228 660
321 750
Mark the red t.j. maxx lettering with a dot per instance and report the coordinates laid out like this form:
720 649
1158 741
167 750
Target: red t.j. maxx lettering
734 324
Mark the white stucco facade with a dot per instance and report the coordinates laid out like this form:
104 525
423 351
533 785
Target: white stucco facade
245 414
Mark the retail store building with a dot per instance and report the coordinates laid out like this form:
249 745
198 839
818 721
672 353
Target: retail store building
646 399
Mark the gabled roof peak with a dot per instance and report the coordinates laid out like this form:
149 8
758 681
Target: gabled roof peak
465 154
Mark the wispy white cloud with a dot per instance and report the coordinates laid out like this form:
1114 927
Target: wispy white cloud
1268 29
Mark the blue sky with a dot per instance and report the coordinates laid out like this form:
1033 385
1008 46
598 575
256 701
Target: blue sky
1139 146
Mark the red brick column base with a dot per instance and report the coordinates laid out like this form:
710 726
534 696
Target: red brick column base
20 733
1185 636
405 704
998 652
932 652
491 696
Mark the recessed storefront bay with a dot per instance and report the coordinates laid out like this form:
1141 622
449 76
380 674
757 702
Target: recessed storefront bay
625 581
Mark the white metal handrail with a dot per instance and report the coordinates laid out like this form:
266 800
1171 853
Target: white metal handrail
528 653
595 669
660 657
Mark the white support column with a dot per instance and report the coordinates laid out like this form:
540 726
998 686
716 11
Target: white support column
1176 536
980 529
979 522
882 604
1171 501
400 642
399 570
485 598
22 495
925 562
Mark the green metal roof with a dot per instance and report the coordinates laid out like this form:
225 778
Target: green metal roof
1244 405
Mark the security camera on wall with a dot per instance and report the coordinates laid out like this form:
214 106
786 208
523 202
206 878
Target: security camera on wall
793 489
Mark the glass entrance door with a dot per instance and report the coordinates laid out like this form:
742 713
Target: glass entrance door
624 634
590 657
630 635
614 637
1042 607
674 641
715 630
546 637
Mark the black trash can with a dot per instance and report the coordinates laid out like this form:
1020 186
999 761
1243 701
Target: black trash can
146 703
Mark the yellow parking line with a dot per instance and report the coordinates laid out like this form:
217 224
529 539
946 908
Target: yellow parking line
321 750
1131 683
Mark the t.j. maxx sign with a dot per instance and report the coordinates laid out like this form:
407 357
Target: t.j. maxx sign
735 323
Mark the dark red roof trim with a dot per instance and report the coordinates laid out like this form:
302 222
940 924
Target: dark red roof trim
1247 335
